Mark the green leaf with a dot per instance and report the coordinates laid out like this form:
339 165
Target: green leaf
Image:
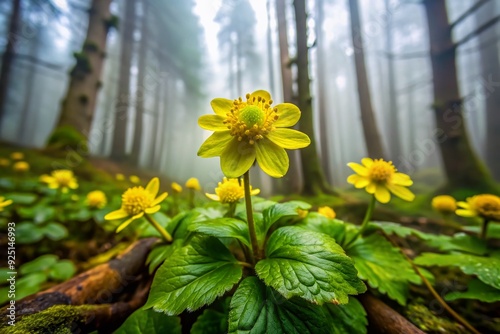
62 270
223 228
43 214
194 276
148 321
41 263
399 230
29 284
178 226
476 290
274 213
22 199
256 308
159 254
309 265
487 269
334 228
28 233
493 230
347 318
460 242
210 322
81 215
383 266
55 231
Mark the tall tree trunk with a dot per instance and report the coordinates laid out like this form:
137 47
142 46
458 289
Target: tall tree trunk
368 119
461 165
166 106
78 106
118 146
286 70
141 89
490 72
314 179
156 125
270 60
8 55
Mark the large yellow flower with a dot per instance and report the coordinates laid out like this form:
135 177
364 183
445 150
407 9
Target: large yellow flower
251 130
60 179
380 178
96 199
444 204
136 202
486 206
4 203
230 191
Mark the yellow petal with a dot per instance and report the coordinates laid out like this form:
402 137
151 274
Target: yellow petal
260 93
153 186
288 115
360 170
221 106
237 158
213 197
117 214
463 205
5 203
382 194
465 213
212 122
255 192
402 192
367 162
128 221
402 179
152 209
215 144
159 199
362 182
371 188
288 138
271 158
353 178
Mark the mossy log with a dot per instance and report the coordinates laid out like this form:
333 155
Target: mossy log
98 299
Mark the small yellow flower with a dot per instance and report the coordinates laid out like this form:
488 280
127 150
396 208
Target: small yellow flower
486 206
327 212
60 179
4 203
17 156
444 204
4 162
21 166
119 177
176 188
134 179
96 199
138 201
381 178
251 130
302 213
193 183
230 191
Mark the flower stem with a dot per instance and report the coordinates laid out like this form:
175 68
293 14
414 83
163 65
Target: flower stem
251 224
161 230
484 229
364 224
191 198
232 209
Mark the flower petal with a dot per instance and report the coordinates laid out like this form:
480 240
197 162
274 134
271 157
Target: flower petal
402 179
271 158
260 93
367 162
255 192
371 188
237 158
212 122
465 213
153 186
402 192
221 106
382 194
288 115
215 144
353 178
463 205
124 224
117 214
289 138
359 169
159 199
213 197
362 182
152 210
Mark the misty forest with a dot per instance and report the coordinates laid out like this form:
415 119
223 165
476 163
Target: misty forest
250 166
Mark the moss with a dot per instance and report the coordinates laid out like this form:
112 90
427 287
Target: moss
82 64
423 318
112 22
90 46
98 85
67 136
83 99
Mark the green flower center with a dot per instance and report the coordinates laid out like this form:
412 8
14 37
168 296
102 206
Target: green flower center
251 115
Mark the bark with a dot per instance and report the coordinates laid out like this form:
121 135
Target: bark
314 179
370 128
118 146
286 70
270 57
156 125
461 165
8 55
141 89
78 106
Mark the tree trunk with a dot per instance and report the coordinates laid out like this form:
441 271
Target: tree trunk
156 126
8 55
118 147
286 70
461 165
270 60
314 179
78 106
490 72
368 119
141 89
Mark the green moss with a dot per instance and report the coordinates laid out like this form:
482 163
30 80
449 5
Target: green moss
423 318
67 136
83 99
90 46
82 64
112 22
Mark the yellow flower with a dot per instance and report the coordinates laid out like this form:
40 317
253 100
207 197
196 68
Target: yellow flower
4 203
176 188
251 130
134 179
327 212
302 213
486 206
96 199
60 178
193 183
4 162
381 178
136 202
21 166
17 156
230 191
119 177
444 204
